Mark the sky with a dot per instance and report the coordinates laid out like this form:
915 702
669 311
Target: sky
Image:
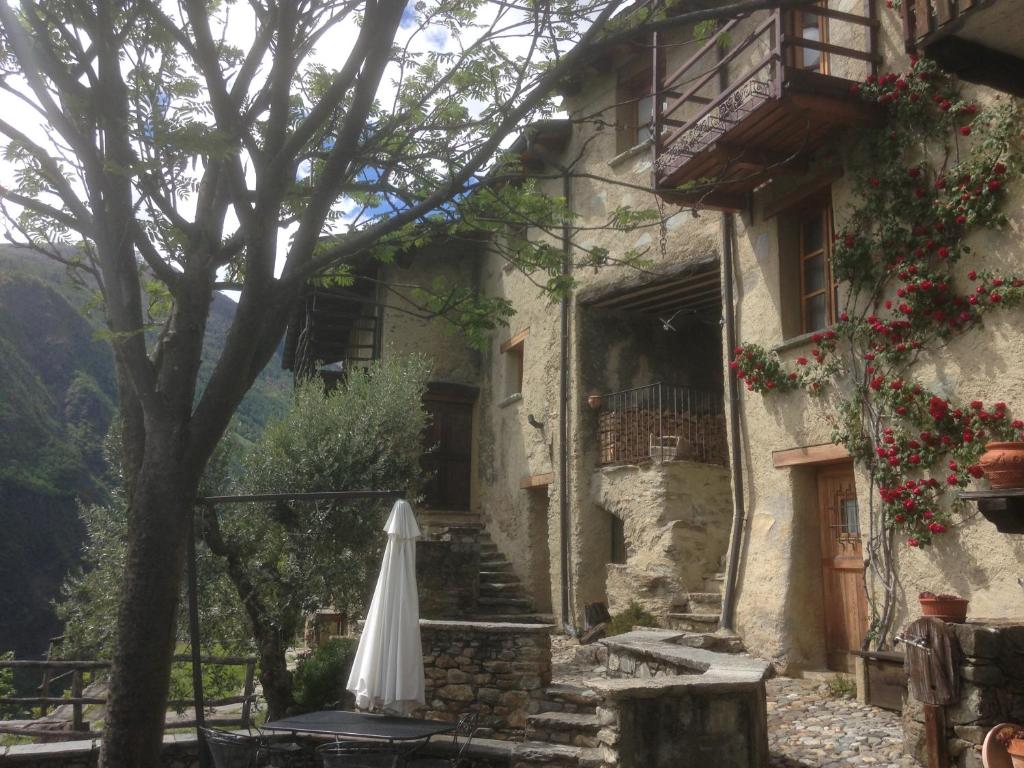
330 52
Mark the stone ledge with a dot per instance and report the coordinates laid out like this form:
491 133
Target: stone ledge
498 627
58 750
661 646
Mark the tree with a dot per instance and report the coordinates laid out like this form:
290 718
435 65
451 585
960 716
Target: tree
183 140
266 566
288 558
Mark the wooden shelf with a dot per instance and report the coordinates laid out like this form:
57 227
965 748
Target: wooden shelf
1003 508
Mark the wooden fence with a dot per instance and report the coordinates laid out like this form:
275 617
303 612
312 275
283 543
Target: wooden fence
55 671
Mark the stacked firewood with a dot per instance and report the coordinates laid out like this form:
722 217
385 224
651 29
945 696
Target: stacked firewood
635 434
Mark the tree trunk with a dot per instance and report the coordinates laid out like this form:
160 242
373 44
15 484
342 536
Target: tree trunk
274 674
158 515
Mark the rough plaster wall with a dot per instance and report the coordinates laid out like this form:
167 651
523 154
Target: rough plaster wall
777 572
510 449
453 361
675 519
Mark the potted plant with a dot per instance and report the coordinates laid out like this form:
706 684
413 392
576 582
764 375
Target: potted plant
1008 739
594 401
1003 465
946 607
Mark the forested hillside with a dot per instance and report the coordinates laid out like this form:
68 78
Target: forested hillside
57 398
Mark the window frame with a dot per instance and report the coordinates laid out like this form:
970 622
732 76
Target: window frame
822 209
630 92
515 349
795 27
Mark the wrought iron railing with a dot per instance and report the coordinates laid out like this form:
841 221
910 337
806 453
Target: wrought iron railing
742 66
661 422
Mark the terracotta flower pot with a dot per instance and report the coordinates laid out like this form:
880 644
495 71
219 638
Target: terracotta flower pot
594 401
1016 750
945 607
1003 464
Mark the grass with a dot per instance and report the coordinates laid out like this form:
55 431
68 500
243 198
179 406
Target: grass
841 687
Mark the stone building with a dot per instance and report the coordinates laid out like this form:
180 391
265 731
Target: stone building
602 441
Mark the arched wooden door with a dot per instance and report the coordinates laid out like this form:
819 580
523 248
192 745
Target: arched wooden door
842 564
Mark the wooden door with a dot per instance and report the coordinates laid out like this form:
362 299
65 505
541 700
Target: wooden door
842 564
447 457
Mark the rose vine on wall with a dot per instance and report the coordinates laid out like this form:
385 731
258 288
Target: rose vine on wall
932 174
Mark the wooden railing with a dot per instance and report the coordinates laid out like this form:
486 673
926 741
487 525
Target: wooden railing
661 422
70 675
922 18
687 118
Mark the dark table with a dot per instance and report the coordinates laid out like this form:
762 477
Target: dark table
362 725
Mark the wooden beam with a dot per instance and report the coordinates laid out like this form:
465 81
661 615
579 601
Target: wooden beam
516 340
826 453
537 481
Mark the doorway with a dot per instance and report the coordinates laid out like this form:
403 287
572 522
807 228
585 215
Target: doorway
448 446
842 564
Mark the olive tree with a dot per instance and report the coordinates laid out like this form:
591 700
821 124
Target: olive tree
187 146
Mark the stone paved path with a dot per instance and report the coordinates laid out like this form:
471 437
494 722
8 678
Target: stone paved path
808 728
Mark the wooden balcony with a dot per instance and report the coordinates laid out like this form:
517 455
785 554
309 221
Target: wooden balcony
978 40
758 99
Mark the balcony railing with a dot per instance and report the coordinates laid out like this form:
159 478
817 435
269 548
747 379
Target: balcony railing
661 422
757 98
924 18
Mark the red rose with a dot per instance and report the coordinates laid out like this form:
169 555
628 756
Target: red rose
965 130
994 185
801 361
998 169
912 542
936 528
975 471
972 275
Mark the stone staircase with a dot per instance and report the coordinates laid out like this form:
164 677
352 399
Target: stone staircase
564 733
502 596
700 611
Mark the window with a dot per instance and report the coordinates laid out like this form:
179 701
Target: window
808 25
809 291
635 110
818 289
512 354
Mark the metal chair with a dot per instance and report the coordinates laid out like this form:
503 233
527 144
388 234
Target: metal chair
340 754
231 750
467 727
287 754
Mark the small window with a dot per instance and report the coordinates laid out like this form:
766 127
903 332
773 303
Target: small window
512 354
635 110
809 291
618 553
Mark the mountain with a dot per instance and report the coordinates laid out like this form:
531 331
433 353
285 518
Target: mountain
57 398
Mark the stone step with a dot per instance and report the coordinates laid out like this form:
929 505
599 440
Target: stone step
703 602
540 754
506 604
578 730
502 565
495 589
498 577
566 697
514 618
714 583
693 622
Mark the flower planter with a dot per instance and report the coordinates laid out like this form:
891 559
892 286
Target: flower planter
594 401
946 607
1016 750
1003 464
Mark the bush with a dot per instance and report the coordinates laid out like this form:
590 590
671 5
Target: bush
320 678
841 687
634 616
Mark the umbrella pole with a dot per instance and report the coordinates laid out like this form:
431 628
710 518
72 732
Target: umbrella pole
193 631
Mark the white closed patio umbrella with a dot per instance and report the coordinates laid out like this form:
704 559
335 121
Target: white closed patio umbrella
388 669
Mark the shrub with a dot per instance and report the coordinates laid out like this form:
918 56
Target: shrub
841 687
633 616
320 678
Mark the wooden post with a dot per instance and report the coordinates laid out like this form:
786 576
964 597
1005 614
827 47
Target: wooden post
247 691
78 724
935 736
44 691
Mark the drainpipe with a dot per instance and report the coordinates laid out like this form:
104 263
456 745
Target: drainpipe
563 420
727 624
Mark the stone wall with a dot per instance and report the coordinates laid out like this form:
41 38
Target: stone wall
675 517
666 705
499 670
991 691
448 572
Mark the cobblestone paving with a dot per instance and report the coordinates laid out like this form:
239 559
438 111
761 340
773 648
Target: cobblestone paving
808 728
